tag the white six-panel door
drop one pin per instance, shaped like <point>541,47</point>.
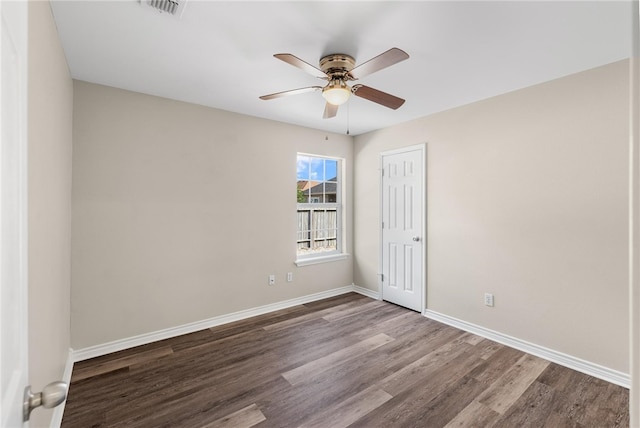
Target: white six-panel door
<point>403,240</point>
<point>13,212</point>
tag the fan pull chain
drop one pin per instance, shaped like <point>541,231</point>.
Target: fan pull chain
<point>348,110</point>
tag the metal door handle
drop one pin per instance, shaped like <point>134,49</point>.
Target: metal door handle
<point>416,238</point>
<point>51,395</point>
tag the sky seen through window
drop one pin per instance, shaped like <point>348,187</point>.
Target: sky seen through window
<point>316,169</point>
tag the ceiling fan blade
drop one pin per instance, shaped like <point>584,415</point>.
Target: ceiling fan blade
<point>384,60</point>
<point>291,92</point>
<point>377,96</point>
<point>330,110</point>
<point>304,66</point>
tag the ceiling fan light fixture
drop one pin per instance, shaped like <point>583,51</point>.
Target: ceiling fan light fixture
<point>337,92</point>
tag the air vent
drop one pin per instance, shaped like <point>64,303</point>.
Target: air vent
<point>170,7</point>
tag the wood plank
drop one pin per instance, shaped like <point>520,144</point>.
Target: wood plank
<point>345,380</point>
<point>311,316</point>
<point>108,366</point>
<point>193,405</point>
<point>91,398</point>
<point>355,310</point>
<point>310,370</point>
<point>186,341</point>
<point>258,321</point>
<point>450,402</point>
<point>474,415</point>
<point>395,326</point>
<point>556,376</point>
<point>243,418</point>
<point>422,368</point>
<point>350,410</point>
<point>472,339</point>
<point>532,409</point>
<point>578,403</point>
<point>496,364</point>
<point>510,386</point>
<point>336,300</point>
<point>487,348</point>
<point>407,408</point>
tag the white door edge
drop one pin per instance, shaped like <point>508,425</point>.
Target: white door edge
<point>13,212</point>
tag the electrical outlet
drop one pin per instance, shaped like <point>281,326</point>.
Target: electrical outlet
<point>488,299</point>
<point>272,279</point>
<point>289,276</point>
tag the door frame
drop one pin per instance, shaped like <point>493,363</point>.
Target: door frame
<point>422,147</point>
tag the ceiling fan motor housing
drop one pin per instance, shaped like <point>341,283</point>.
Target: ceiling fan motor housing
<point>337,65</point>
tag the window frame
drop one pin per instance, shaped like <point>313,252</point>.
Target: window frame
<point>338,206</point>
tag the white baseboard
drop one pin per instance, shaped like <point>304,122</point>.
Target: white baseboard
<point>58,411</point>
<point>143,339</point>
<point>366,292</point>
<point>565,360</point>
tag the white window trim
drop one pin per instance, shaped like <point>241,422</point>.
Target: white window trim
<point>321,259</point>
<point>339,253</point>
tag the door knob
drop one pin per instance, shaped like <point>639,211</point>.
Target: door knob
<point>51,395</point>
<point>416,238</point>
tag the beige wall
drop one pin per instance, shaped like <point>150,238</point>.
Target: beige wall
<point>180,213</point>
<point>527,198</point>
<point>49,134</point>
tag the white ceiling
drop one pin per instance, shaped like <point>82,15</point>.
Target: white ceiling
<point>220,53</point>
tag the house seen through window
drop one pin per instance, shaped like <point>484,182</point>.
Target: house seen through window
<point>319,207</point>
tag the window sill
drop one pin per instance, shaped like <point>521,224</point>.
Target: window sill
<point>321,259</point>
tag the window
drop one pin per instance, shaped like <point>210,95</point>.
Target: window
<point>319,207</point>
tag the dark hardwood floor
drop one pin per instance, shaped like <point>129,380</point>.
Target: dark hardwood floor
<point>344,361</point>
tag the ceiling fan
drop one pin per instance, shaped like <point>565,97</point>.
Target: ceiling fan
<point>338,69</point>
